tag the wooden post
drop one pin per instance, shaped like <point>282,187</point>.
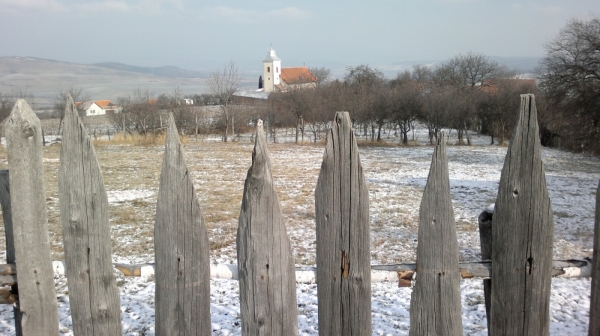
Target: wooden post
<point>93,292</point>
<point>594,329</point>
<point>10,245</point>
<point>343,239</point>
<point>485,239</point>
<point>267,276</point>
<point>523,235</point>
<point>37,297</point>
<point>181,248</point>
<point>435,307</point>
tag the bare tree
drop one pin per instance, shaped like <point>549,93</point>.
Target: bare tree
<point>436,110</point>
<point>570,78</point>
<point>60,102</point>
<point>406,106</point>
<point>498,109</point>
<point>323,75</point>
<point>364,84</point>
<point>466,74</point>
<point>140,114</point>
<point>222,85</point>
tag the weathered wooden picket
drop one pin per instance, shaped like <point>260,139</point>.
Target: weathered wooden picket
<point>93,293</point>
<point>519,242</point>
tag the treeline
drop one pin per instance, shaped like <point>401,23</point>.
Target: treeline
<point>468,92</point>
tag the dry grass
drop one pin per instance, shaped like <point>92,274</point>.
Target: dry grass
<point>131,171</point>
<point>375,143</point>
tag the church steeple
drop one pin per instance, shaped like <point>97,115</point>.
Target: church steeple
<point>271,71</point>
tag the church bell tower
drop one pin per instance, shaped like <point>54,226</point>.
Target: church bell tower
<point>271,71</point>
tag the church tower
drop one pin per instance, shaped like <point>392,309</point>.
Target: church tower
<point>271,71</point>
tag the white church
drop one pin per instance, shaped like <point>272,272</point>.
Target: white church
<point>278,79</point>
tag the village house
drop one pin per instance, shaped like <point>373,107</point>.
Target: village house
<point>98,107</point>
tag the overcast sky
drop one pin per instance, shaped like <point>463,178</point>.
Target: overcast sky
<point>207,34</point>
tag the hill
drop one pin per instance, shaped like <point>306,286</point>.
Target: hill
<point>164,71</point>
<point>45,78</point>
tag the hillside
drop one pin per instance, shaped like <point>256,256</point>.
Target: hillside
<point>45,78</point>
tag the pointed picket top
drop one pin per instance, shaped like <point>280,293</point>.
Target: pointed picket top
<point>435,307</point>
<point>94,296</point>
<point>267,276</point>
<point>37,296</point>
<point>343,237</point>
<point>181,248</point>
<point>523,235</point>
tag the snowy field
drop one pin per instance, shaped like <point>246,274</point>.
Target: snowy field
<point>396,177</point>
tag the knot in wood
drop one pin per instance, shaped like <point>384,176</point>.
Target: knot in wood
<point>28,130</point>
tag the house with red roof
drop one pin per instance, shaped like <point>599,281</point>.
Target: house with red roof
<point>97,107</point>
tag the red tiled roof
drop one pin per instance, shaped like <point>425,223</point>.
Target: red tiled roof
<point>102,103</point>
<point>492,87</point>
<point>297,75</point>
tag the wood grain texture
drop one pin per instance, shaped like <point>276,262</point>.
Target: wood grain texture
<point>343,238</point>
<point>9,238</point>
<point>266,270</point>
<point>594,329</point>
<point>37,297</point>
<point>435,306</point>
<point>93,292</point>
<point>181,249</point>
<point>523,235</point>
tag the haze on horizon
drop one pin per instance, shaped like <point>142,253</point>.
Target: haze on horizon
<point>206,35</point>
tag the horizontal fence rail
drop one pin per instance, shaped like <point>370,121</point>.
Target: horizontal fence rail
<point>403,273</point>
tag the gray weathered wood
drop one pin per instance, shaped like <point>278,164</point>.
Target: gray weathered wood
<point>10,244</point>
<point>8,297</point>
<point>523,235</point>
<point>343,238</point>
<point>266,271</point>
<point>594,329</point>
<point>435,307</point>
<point>93,292</point>
<point>37,297</point>
<point>485,238</point>
<point>181,249</point>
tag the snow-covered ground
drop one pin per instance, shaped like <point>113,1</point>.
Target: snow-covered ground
<point>396,177</point>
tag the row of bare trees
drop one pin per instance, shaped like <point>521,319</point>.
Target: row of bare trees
<point>468,92</point>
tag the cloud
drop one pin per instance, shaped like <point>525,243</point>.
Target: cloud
<point>232,14</point>
<point>549,9</point>
<point>140,6</point>
<point>104,6</point>
<point>51,5</point>
<point>238,15</point>
<point>289,13</point>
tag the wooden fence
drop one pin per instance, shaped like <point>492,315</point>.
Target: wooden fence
<point>519,242</point>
